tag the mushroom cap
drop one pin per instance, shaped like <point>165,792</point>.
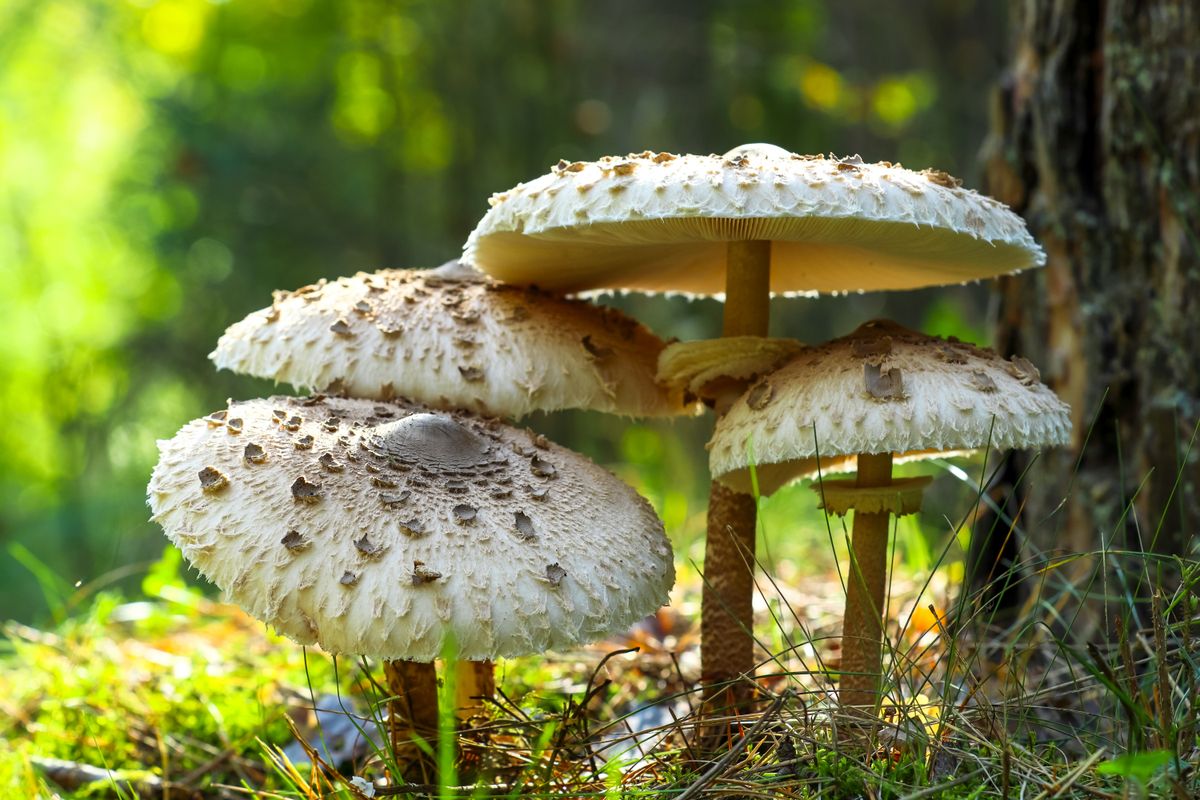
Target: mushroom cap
<point>386,530</point>
<point>452,338</point>
<point>882,389</point>
<point>655,222</point>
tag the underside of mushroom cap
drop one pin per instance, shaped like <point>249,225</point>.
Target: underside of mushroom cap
<point>388,530</point>
<point>453,338</point>
<point>655,222</point>
<point>882,389</point>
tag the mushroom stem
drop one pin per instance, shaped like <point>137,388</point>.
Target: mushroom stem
<point>747,288</point>
<point>726,614</point>
<point>412,712</point>
<point>476,684</point>
<point>866,583</point>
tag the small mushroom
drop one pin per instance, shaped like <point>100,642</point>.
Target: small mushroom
<point>947,408</point>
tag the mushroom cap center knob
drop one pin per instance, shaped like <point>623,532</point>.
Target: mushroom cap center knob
<point>760,149</point>
<point>435,441</point>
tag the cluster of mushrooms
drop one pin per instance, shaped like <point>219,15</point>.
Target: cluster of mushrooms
<point>396,514</point>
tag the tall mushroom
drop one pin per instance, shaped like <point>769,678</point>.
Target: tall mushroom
<point>755,221</point>
<point>388,530</point>
<point>456,339</point>
<point>858,402</point>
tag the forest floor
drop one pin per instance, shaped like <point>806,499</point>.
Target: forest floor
<point>176,696</point>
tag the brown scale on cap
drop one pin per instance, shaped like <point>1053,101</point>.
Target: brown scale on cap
<point>542,468</point>
<point>368,548</point>
<point>982,381</point>
<point>212,480</point>
<point>523,525</point>
<point>422,574</point>
<point>869,347</point>
<point>390,329</point>
<point>1023,370</point>
<point>951,355</point>
<point>942,178</point>
<point>304,491</point>
<point>294,541</point>
<point>254,454</point>
<point>235,425</point>
<point>759,395</point>
<point>594,350</point>
<point>414,529</point>
<point>883,385</point>
<point>395,499</point>
<point>555,574</point>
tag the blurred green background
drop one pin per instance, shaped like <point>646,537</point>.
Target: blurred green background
<point>164,165</point>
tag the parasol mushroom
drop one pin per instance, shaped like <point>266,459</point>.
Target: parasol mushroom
<point>388,530</point>
<point>452,338</point>
<point>755,221</point>
<point>883,392</point>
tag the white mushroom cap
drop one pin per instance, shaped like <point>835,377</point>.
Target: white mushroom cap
<point>882,389</point>
<point>452,338</point>
<point>385,530</point>
<point>654,222</point>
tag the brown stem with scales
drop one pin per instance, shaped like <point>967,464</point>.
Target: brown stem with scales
<point>726,614</point>
<point>866,584</point>
<point>475,685</point>
<point>412,712</point>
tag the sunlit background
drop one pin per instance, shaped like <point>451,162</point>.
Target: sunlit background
<point>165,165</point>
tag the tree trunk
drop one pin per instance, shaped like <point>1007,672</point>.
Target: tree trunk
<point>1096,141</point>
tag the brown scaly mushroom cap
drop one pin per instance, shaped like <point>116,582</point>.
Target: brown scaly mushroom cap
<point>452,338</point>
<point>884,388</point>
<point>384,529</point>
<point>656,222</point>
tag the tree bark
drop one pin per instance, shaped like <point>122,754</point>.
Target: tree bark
<point>1096,141</point>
